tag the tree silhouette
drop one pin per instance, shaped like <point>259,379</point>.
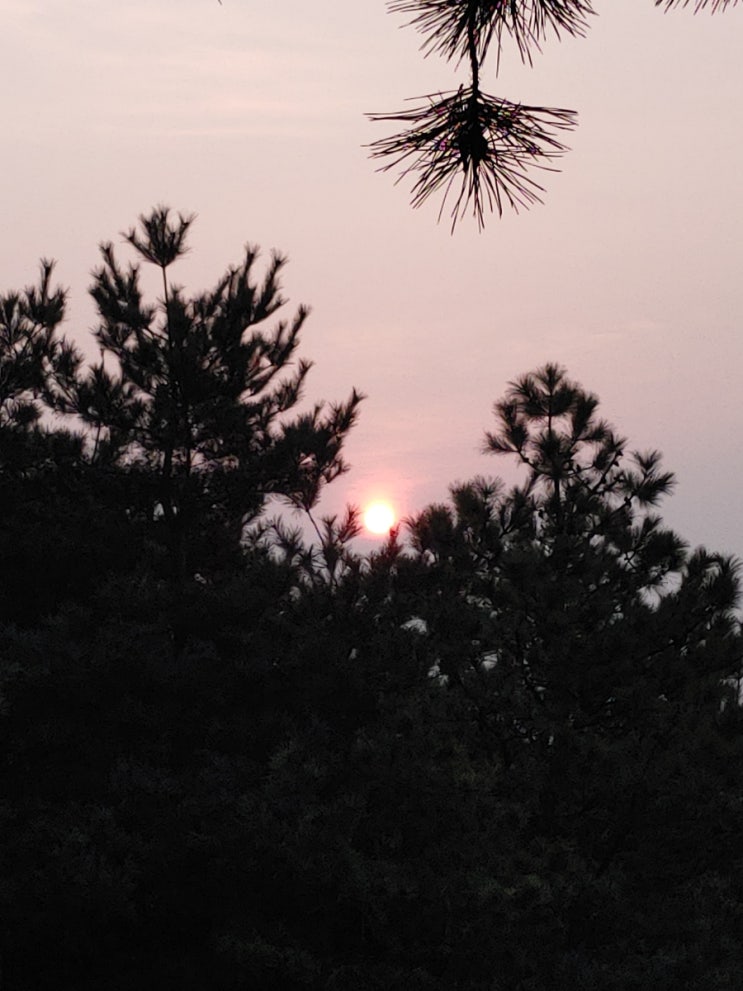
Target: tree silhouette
<point>601,663</point>
<point>187,414</point>
<point>201,391</point>
<point>483,149</point>
<point>506,755</point>
<point>140,639</point>
<point>34,360</point>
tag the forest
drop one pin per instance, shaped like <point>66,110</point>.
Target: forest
<point>502,752</point>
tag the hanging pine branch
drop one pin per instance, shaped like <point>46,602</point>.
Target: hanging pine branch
<point>449,27</point>
<point>480,150</point>
<point>475,145</point>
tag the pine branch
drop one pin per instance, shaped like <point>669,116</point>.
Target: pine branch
<point>491,140</point>
<point>713,6</point>
<point>486,142</point>
<point>447,24</point>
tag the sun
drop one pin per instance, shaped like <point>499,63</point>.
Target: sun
<point>379,517</point>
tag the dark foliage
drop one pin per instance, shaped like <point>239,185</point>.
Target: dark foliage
<point>504,757</point>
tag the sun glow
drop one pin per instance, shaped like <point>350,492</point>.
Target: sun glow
<point>379,517</point>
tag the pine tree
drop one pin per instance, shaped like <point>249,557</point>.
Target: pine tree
<point>504,758</point>
<point>199,394</point>
<point>512,757</point>
<point>602,662</point>
<point>38,460</point>
<point>35,361</point>
<point>143,647</point>
<point>186,417</point>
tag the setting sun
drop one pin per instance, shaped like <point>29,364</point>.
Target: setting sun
<point>379,517</point>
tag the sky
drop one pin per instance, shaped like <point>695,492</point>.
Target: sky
<point>252,115</point>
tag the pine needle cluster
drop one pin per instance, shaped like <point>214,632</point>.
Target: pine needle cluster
<point>479,151</point>
<point>474,145</point>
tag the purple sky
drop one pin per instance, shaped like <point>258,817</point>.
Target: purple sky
<point>252,115</point>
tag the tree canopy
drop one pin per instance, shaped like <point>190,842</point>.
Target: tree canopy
<point>500,753</point>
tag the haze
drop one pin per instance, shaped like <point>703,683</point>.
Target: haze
<point>252,115</point>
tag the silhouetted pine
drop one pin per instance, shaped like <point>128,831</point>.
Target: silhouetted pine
<point>142,648</point>
<point>35,363</point>
<point>482,150</point>
<point>505,757</point>
<point>518,762</point>
<point>53,537</point>
<point>198,394</point>
<point>601,661</point>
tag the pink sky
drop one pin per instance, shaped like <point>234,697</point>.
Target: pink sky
<point>252,115</point>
